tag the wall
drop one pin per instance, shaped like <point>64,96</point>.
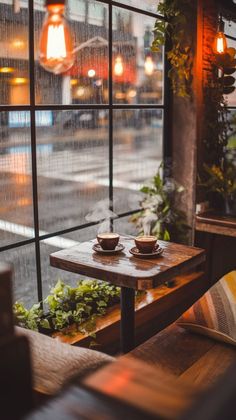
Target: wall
<point>188,114</point>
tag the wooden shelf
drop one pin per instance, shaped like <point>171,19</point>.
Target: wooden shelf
<point>155,309</point>
<point>212,222</point>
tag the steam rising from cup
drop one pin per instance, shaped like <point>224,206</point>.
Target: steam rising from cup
<point>101,212</point>
<point>147,222</point>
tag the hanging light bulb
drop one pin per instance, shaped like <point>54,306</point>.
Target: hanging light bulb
<point>56,46</point>
<point>220,43</point>
<point>148,65</point>
<point>118,67</point>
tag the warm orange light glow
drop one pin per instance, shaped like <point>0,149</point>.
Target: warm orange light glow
<point>220,43</point>
<point>80,92</point>
<point>74,82</point>
<point>6,69</point>
<point>118,67</point>
<point>19,81</point>
<point>18,43</point>
<point>131,93</point>
<point>149,66</point>
<point>56,46</point>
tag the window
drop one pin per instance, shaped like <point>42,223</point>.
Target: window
<point>230,31</point>
<point>70,141</point>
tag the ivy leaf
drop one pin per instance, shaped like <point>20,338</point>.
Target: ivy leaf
<point>166,235</point>
<point>45,324</point>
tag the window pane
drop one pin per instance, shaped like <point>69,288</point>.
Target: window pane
<point>231,99</point>
<point>137,72</point>
<point>96,13</point>
<point>24,277</point>
<point>148,5</point>
<point>50,274</point>
<point>77,10</point>
<point>232,135</point>
<point>230,28</point>
<point>72,156</point>
<point>14,77</point>
<point>137,154</point>
<point>123,226</point>
<point>86,82</point>
<point>16,214</point>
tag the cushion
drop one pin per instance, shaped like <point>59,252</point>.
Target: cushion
<point>55,364</point>
<point>214,314</point>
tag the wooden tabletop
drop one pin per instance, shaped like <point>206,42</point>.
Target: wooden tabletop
<point>213,222</point>
<point>125,389</point>
<point>125,270</point>
<point>148,388</point>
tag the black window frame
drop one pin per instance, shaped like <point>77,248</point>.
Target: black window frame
<point>111,106</point>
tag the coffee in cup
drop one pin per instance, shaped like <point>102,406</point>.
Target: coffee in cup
<point>108,241</point>
<point>146,243</point>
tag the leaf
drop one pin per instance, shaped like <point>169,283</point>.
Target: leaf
<point>145,190</point>
<point>45,324</point>
<point>102,303</point>
<point>231,51</point>
<point>229,70</point>
<point>227,80</point>
<point>166,236</point>
<point>228,89</point>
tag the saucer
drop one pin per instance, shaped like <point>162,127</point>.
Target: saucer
<point>156,253</point>
<point>118,248</point>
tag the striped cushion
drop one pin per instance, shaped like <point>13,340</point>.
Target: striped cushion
<point>215,313</point>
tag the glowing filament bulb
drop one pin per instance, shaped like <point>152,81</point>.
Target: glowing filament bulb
<point>220,44</point>
<point>56,47</point>
<point>118,67</point>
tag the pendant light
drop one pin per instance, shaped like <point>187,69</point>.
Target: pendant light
<point>220,43</point>
<point>56,52</point>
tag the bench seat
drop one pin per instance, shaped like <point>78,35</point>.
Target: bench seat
<point>54,364</point>
<point>198,359</point>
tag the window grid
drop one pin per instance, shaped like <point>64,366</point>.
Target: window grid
<point>32,107</point>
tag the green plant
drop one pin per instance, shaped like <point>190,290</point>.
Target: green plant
<point>159,215</point>
<point>217,125</point>
<point>217,128</point>
<point>67,305</point>
<point>226,63</point>
<point>31,319</point>
<point>221,180</point>
<point>179,53</point>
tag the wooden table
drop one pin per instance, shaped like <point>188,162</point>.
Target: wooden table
<point>125,389</point>
<point>128,272</point>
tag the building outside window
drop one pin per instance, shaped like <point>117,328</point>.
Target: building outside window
<point>70,141</point>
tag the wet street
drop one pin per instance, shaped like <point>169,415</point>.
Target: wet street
<point>73,175</point>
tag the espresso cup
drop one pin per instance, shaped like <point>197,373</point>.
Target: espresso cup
<point>108,241</point>
<point>146,244</point>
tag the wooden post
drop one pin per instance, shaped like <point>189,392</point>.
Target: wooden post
<point>15,371</point>
<point>6,316</point>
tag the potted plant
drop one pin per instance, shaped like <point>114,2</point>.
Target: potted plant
<point>159,214</point>
<point>221,182</point>
<point>66,305</point>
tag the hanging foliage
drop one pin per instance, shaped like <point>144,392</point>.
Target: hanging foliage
<point>172,34</point>
<point>219,169</point>
<point>217,124</point>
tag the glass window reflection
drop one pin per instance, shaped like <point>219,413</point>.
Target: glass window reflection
<point>137,71</point>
